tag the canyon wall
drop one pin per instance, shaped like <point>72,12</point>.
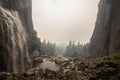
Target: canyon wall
<point>106,36</point>
<point>18,39</point>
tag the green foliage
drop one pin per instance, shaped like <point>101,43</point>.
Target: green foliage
<point>79,50</point>
<point>30,78</point>
<point>48,48</point>
<point>115,58</point>
<point>41,79</point>
<point>112,58</point>
<point>12,78</point>
<point>20,78</point>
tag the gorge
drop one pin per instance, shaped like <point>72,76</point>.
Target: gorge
<point>19,42</point>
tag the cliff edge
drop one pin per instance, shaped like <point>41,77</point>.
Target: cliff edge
<point>106,36</point>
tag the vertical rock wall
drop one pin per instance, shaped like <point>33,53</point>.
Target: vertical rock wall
<point>106,36</point>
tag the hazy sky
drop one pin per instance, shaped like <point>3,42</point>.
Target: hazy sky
<point>62,20</point>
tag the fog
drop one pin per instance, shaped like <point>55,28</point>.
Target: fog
<point>62,20</point>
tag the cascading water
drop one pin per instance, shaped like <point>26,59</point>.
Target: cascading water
<point>13,38</point>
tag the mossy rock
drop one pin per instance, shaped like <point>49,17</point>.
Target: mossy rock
<point>18,78</point>
<point>114,58</point>
<point>12,78</point>
<point>29,78</point>
<point>41,79</point>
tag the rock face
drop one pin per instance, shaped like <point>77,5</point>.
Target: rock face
<point>17,35</point>
<point>106,35</point>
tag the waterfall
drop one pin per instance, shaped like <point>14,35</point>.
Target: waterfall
<point>13,38</point>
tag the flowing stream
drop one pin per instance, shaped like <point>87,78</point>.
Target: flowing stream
<point>13,37</point>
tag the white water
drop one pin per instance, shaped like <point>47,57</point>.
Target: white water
<point>15,34</point>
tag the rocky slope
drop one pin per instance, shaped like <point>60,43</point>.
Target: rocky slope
<point>106,35</point>
<point>107,68</point>
<point>18,38</point>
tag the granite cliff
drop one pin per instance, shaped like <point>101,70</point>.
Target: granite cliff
<point>18,39</point>
<point>106,36</point>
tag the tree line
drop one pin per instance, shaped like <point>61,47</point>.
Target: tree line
<point>76,50</point>
<point>48,48</point>
<point>71,50</point>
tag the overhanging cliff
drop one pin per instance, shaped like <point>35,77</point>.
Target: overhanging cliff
<point>106,36</point>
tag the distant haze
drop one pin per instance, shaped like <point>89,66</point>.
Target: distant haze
<point>62,20</point>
